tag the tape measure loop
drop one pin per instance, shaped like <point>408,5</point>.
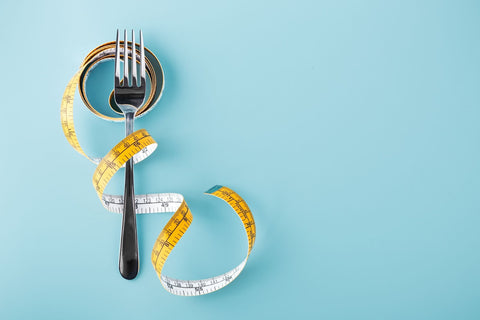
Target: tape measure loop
<point>105,52</point>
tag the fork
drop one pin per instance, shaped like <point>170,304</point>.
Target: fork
<point>129,98</point>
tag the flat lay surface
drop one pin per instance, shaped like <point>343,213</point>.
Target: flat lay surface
<point>350,128</point>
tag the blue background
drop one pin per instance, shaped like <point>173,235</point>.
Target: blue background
<point>350,128</point>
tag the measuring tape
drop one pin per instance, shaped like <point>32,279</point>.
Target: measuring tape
<point>138,146</point>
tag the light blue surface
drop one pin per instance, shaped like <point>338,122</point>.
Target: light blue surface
<point>351,128</point>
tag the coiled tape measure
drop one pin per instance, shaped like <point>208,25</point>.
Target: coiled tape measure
<point>139,145</point>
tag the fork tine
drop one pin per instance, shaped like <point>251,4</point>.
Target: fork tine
<point>134,61</point>
<point>117,61</point>
<point>142,60</point>
<point>125,60</point>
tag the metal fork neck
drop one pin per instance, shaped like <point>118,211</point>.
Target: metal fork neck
<point>129,122</point>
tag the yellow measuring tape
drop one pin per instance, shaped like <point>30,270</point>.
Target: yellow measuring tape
<point>138,146</point>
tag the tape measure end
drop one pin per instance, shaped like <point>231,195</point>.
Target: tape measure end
<point>213,189</point>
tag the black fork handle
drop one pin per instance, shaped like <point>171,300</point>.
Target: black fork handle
<point>128,264</point>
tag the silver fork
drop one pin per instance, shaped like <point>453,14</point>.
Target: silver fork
<point>129,98</point>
